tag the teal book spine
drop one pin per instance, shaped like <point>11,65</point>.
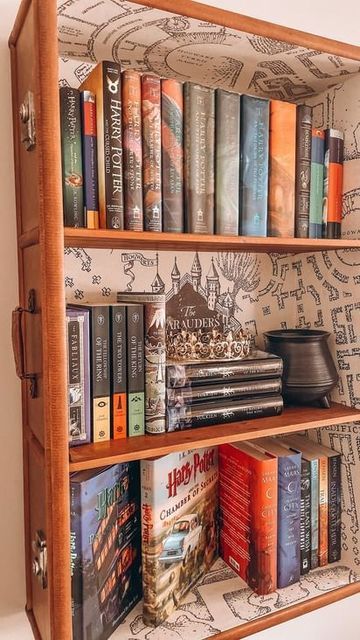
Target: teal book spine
<point>317,182</point>
<point>135,369</point>
<point>254,166</point>
<point>227,162</point>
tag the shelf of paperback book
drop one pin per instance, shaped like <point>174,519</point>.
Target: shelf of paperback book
<point>112,239</point>
<point>292,419</point>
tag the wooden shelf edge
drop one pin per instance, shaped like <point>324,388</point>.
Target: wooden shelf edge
<point>294,611</point>
<point>112,239</point>
<point>293,419</point>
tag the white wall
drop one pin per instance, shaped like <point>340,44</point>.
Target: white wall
<point>323,17</point>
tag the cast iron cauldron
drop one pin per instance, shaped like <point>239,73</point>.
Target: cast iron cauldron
<point>309,370</point>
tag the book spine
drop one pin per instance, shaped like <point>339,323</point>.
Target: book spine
<point>323,511</point>
<point>264,525</point>
<point>317,183</point>
<point>314,514</point>
<point>233,390</point>
<point>305,517</point>
<point>147,541</point>
<point>199,158</point>
<point>334,508</point>
<point>100,372</point>
<point>71,154</point>
<point>151,137</point>
<point>78,378</point>
<point>227,150</point>
<point>254,165</point>
<point>205,414</point>
<point>172,141</point>
<point>333,183</point>
<point>112,211</point>
<point>135,369</point>
<point>118,372</point>
<point>155,357</point>
<point>182,375</point>
<point>289,498</point>
<point>303,170</point>
<point>76,568</point>
<point>90,167</point>
<point>132,138</point>
<point>282,155</point>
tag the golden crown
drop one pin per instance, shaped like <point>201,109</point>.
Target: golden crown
<point>209,345</point>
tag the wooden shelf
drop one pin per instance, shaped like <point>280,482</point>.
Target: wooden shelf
<point>112,239</point>
<point>292,419</point>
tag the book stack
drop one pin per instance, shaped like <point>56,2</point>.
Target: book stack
<point>215,392</point>
<point>280,509</point>
<point>144,153</point>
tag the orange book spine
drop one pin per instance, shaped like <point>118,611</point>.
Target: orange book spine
<point>282,157</point>
<point>323,511</point>
<point>333,183</point>
<point>119,416</point>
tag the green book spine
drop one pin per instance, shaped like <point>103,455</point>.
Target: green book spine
<point>135,368</point>
<point>71,154</point>
<point>317,183</point>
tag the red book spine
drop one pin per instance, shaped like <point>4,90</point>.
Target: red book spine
<point>151,136</point>
<point>132,151</point>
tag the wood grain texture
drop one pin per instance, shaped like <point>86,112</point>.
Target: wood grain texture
<point>112,239</point>
<point>292,419</point>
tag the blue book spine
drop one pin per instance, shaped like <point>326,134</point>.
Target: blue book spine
<point>314,514</point>
<point>289,498</point>
<point>254,166</point>
<point>317,183</point>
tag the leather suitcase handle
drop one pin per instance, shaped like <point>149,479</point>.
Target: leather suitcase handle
<point>18,343</point>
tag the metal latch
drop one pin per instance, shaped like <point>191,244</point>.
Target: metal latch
<point>39,563</point>
<point>27,117</point>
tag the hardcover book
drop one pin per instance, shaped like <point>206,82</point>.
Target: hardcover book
<point>105,548</point>
<point>118,372</point>
<point>151,136</point>
<point>90,167</point>
<point>333,183</point>
<point>317,183</point>
<point>206,413</point>
<point>105,82</point>
<point>71,156</point>
<point>155,356</point>
<point>172,140</point>
<point>132,133</point>
<point>282,155</point>
<point>303,170</point>
<point>199,158</point>
<point>135,369</point>
<point>78,378</point>
<point>289,497</point>
<point>221,391</point>
<point>259,364</point>
<point>254,165</point>
<point>227,151</point>
<point>248,514</point>
<point>179,508</point>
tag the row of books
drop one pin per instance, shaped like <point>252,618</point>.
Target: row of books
<point>144,153</point>
<point>279,517</point>
<point>280,508</point>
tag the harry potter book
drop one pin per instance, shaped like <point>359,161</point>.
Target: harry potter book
<point>282,153</point>
<point>227,152</point>
<point>248,481</point>
<point>151,136</point>
<point>132,135</point>
<point>118,372</point>
<point>105,82</point>
<point>317,183</point>
<point>155,356</point>
<point>254,165</point>
<point>135,369</point>
<point>222,391</point>
<point>105,548</point>
<point>71,156</point>
<point>333,183</point>
<point>199,158</point>
<point>179,509</point>
<point>78,378</point>
<point>90,160</point>
<point>303,170</point>
<point>172,141</point>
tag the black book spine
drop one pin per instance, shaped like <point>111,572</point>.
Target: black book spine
<point>135,369</point>
<point>334,551</point>
<point>303,170</point>
<point>71,154</point>
<point>76,570</point>
<point>183,375</point>
<point>305,517</point>
<point>209,413</point>
<point>231,391</point>
<point>114,195</point>
<point>100,372</point>
<point>118,372</point>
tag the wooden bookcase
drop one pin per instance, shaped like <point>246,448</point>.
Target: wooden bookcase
<point>42,33</point>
